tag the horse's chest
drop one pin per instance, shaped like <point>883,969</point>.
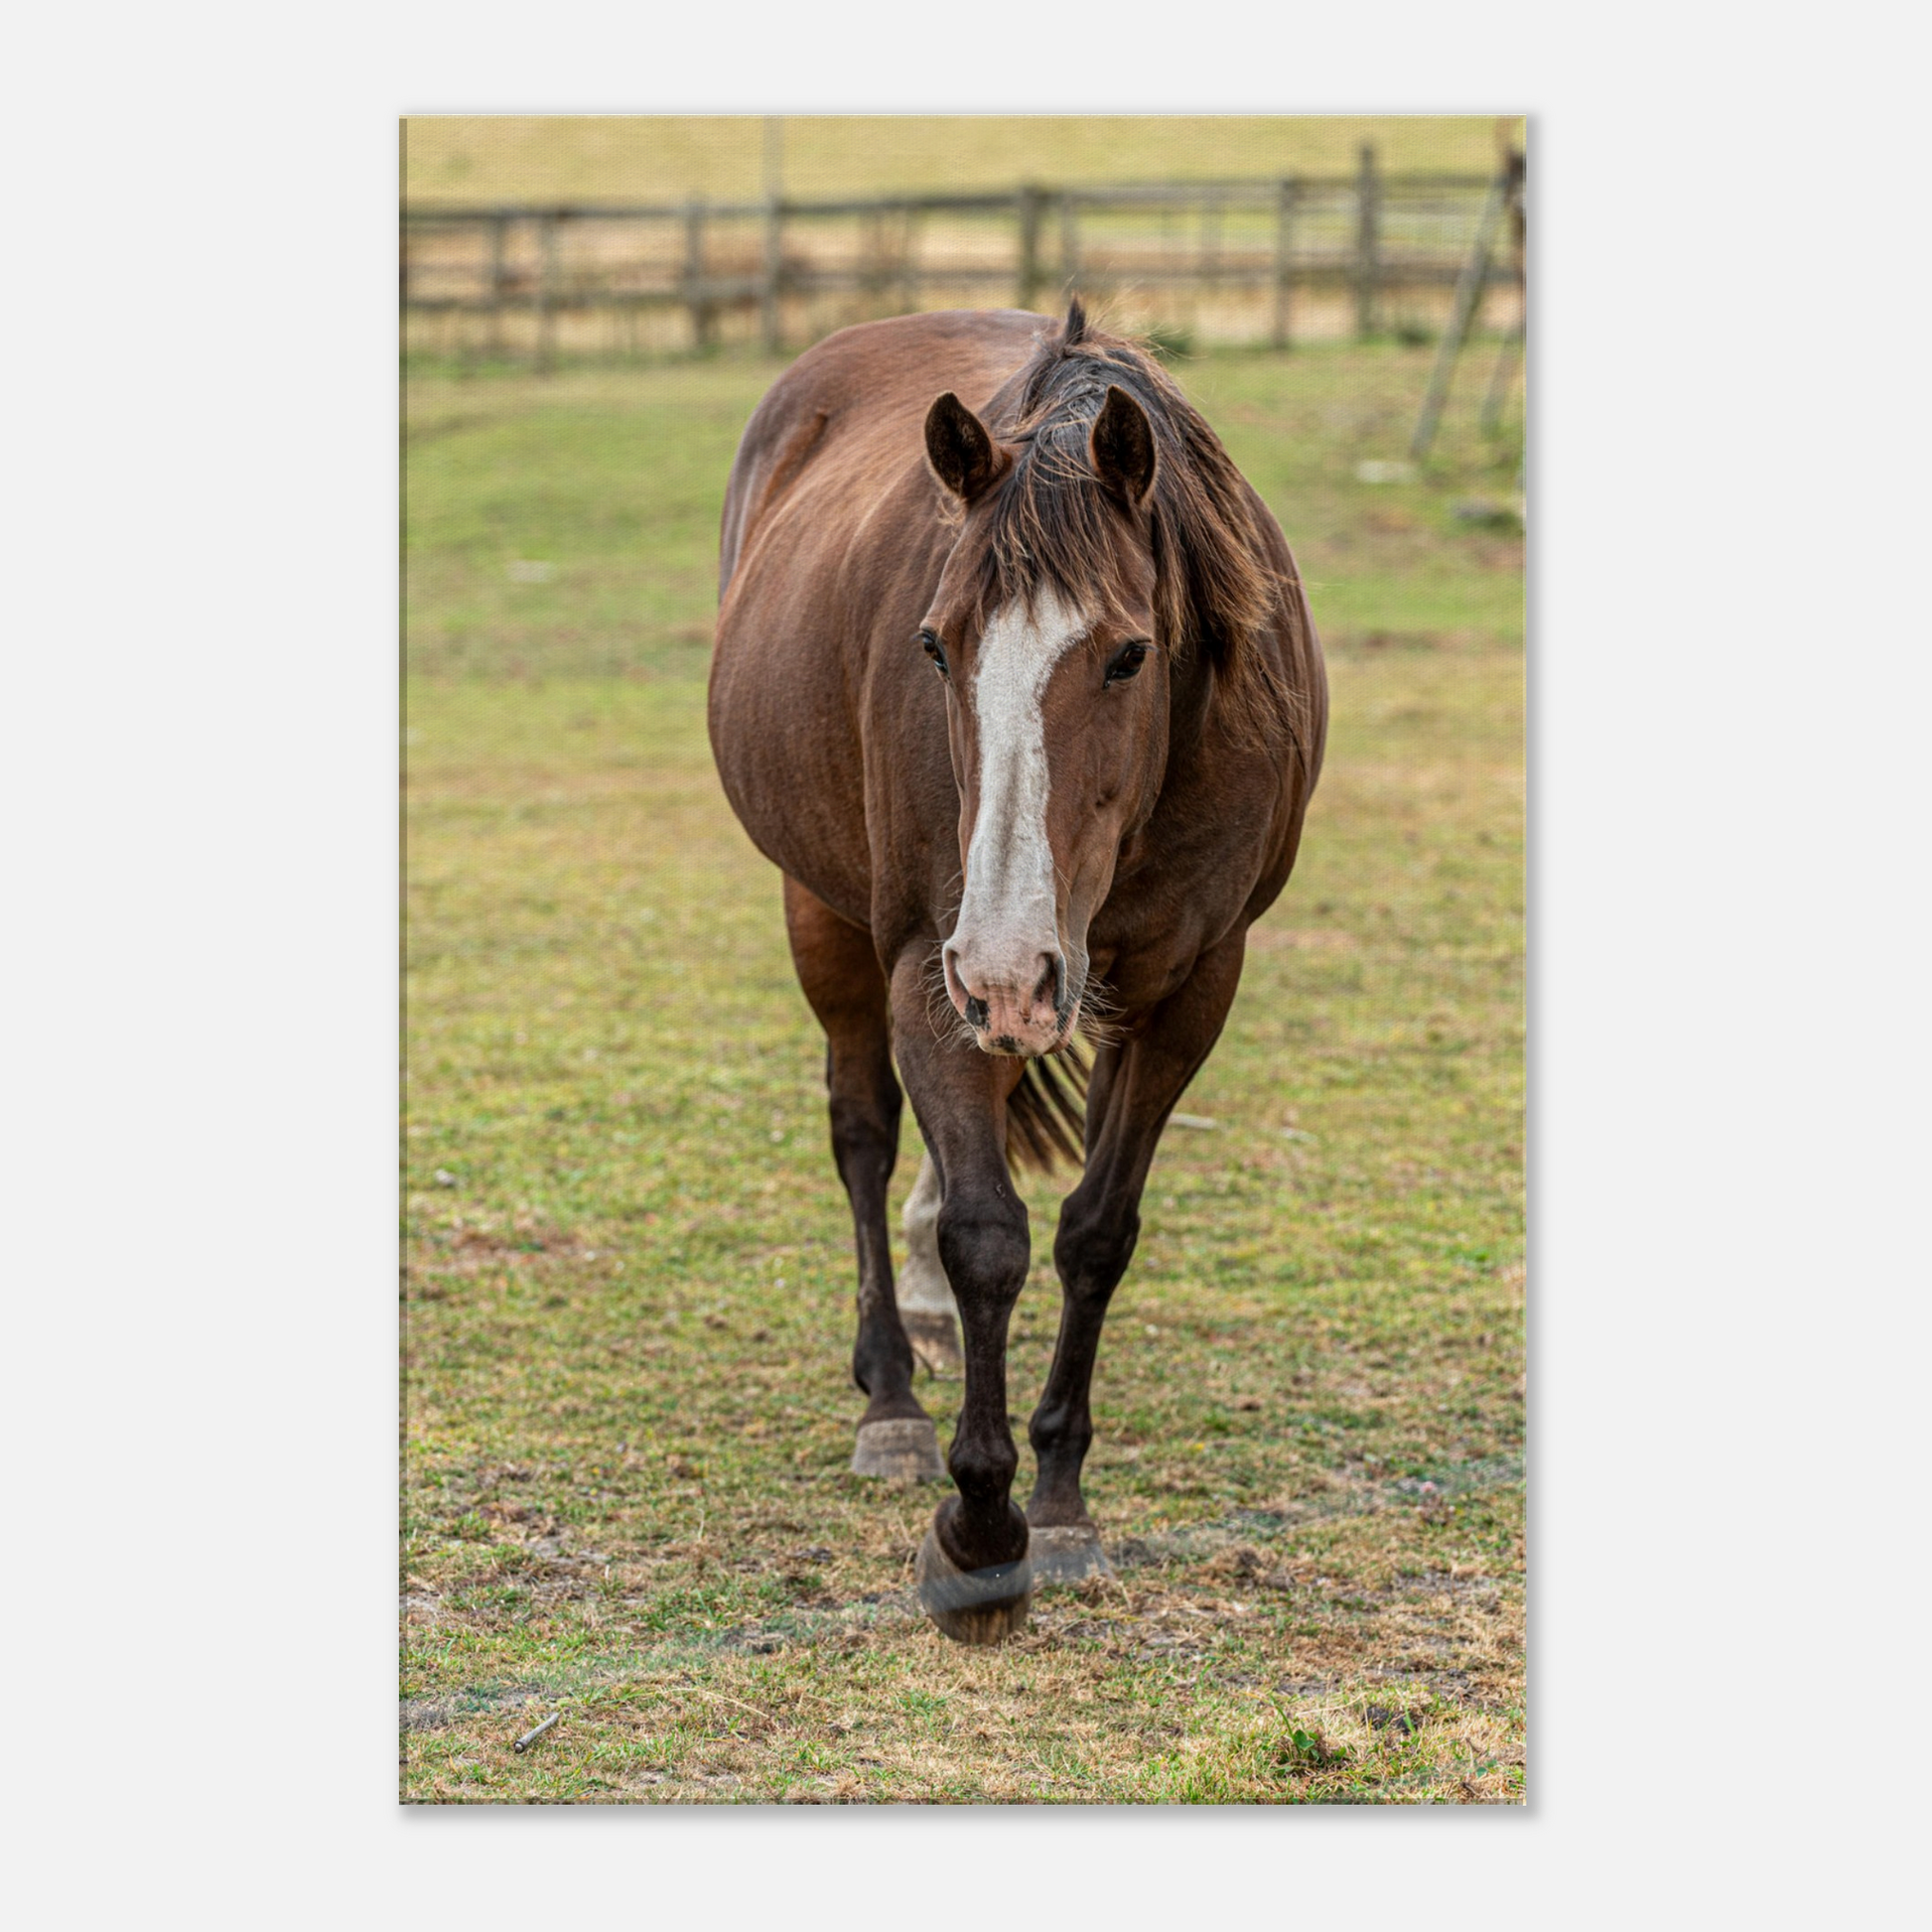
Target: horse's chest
<point>1186,886</point>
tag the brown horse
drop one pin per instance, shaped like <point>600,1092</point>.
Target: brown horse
<point>1019,689</point>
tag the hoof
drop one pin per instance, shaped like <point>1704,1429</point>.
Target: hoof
<point>908,1447</point>
<point>973,1605</point>
<point>935,1341</point>
<point>1068,1553</point>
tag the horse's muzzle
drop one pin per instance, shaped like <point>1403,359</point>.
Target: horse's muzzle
<point>1012,1006</point>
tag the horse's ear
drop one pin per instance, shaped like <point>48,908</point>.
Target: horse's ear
<point>958,448</point>
<point>1122,448</point>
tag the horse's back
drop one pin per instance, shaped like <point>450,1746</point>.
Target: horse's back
<point>850,409</point>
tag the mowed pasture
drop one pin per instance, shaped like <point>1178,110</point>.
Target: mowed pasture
<point>628,1292</point>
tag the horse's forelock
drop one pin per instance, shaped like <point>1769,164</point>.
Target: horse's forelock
<point>1051,524</point>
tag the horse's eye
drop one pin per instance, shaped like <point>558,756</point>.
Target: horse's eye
<point>1127,660</point>
<point>935,649</point>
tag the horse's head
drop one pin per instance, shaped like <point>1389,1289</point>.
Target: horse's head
<point>1056,697</point>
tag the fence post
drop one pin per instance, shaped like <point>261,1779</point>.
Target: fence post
<point>1511,347</point>
<point>694,288</point>
<point>1030,201</point>
<point>1069,244</point>
<point>770,315</point>
<point>909,263</point>
<point>1368,226</point>
<point>872,251</point>
<point>546,289</point>
<point>1469,286</point>
<point>1284,259</point>
<point>1512,344</point>
<point>402,282</point>
<point>498,238</point>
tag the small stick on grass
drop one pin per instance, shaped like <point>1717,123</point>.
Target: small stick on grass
<point>719,1696</point>
<point>531,1736</point>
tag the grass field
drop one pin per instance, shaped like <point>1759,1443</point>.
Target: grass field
<point>629,1284</point>
<point>474,159</point>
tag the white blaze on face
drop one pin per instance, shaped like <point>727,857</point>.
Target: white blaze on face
<point>1008,916</point>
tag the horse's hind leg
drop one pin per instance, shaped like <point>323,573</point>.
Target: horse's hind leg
<point>1132,1091</point>
<point>842,980</point>
<point>926,1296</point>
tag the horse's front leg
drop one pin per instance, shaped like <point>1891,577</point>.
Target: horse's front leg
<point>841,976</point>
<point>1134,1089</point>
<point>974,1577</point>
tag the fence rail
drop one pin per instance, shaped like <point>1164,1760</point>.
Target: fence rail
<point>1275,259</point>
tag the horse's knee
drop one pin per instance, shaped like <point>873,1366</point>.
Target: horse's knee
<point>985,1247</point>
<point>1061,1427</point>
<point>1092,1249</point>
<point>864,1136</point>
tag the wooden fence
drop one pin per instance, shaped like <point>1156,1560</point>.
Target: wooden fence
<point>1233,260</point>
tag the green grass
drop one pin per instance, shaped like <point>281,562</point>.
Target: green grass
<point>478,159</point>
<point>608,482</point>
<point>629,1275</point>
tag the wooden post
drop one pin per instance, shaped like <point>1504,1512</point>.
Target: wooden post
<point>1512,342</point>
<point>546,289</point>
<point>909,263</point>
<point>1491,419</point>
<point>1368,243</point>
<point>774,157</point>
<point>1283,260</point>
<point>872,253</point>
<point>771,314</point>
<point>498,241</point>
<point>694,288</point>
<point>1069,244</point>
<point>1031,199</point>
<point>1469,295</point>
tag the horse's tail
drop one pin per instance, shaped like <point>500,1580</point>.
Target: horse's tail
<point>1046,1115</point>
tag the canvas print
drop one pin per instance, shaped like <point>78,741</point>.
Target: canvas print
<point>963,1133</point>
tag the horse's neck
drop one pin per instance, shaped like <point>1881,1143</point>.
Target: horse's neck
<point>1190,704</point>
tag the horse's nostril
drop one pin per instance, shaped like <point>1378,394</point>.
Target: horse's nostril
<point>975,1013</point>
<point>1052,982</point>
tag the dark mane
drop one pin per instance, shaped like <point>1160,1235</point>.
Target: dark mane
<point>1216,586</point>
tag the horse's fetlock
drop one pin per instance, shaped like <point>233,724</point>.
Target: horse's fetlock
<point>982,1471</point>
<point>880,1360</point>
